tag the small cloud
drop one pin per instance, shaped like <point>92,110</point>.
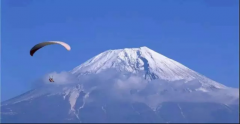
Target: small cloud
<point>133,82</point>
<point>62,78</point>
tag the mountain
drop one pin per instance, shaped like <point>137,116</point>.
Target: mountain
<point>135,60</point>
<point>133,85</point>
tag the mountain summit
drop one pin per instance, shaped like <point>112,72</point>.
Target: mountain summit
<point>135,60</point>
<point>145,61</point>
<point>142,86</point>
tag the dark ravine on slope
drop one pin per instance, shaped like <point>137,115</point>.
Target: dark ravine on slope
<point>96,105</point>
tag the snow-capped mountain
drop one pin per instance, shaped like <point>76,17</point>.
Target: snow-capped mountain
<point>143,59</point>
<point>126,85</point>
<point>134,60</point>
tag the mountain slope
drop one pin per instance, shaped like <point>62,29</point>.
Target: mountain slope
<point>126,85</point>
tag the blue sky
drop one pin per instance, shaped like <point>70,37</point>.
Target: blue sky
<point>201,34</point>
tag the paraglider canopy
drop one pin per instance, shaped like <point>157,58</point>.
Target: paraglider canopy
<point>43,44</point>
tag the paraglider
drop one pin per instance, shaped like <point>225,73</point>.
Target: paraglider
<point>43,44</point>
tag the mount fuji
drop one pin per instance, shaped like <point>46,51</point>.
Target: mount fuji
<point>131,85</point>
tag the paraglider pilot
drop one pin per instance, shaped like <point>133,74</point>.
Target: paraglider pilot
<point>51,79</point>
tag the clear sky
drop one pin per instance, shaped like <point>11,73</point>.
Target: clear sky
<point>201,34</point>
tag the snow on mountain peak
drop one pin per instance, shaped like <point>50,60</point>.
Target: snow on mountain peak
<point>138,60</point>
